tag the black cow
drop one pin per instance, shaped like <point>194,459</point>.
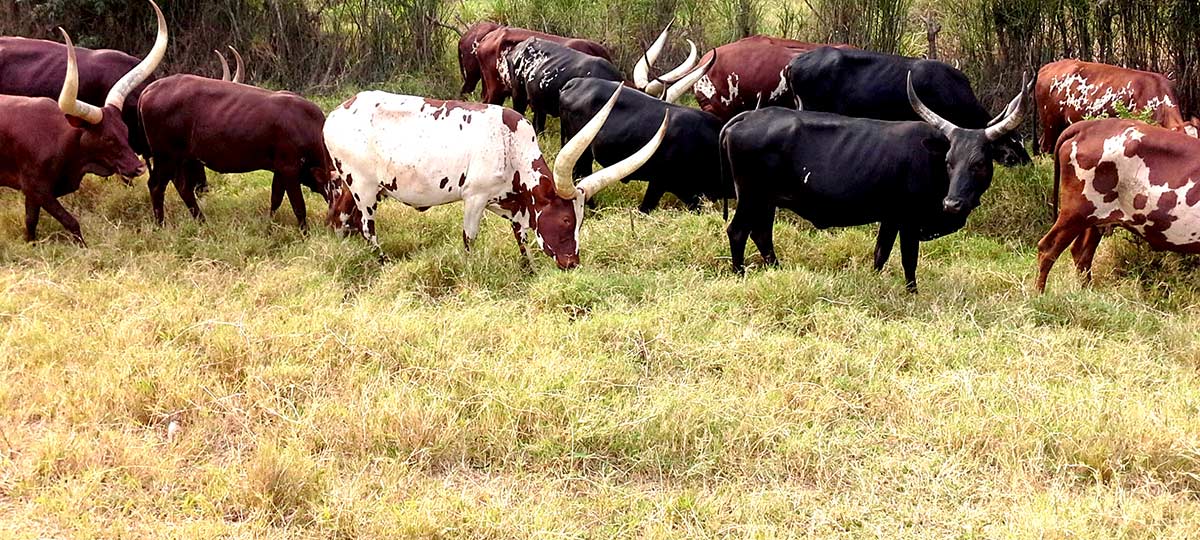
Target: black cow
<point>868,84</point>
<point>686,164</point>
<point>917,179</point>
<point>539,69</point>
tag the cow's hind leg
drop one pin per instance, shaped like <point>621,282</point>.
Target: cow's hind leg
<point>1064,231</point>
<point>763,234</point>
<point>1084,252</point>
<point>33,210</point>
<point>653,196</point>
<point>187,183</point>
<point>910,251</point>
<point>296,199</point>
<point>739,231</point>
<point>884,243</point>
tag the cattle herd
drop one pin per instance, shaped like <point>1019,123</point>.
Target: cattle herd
<point>838,135</point>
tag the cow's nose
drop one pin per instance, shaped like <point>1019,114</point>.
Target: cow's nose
<point>567,263</point>
<point>952,206</point>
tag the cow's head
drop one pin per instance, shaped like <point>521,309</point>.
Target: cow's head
<point>970,151</point>
<point>104,142</point>
<point>670,85</point>
<point>559,216</point>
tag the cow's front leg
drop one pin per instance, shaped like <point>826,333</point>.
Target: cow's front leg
<point>884,243</point>
<point>473,208</point>
<point>910,248</point>
<point>652,198</point>
<point>33,210</point>
<point>522,240</point>
<point>68,221</point>
<point>366,199</point>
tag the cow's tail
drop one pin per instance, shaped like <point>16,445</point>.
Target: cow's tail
<point>1057,174</point>
<point>1037,120</point>
<point>727,163</point>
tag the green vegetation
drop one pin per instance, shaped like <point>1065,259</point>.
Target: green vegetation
<point>317,392</point>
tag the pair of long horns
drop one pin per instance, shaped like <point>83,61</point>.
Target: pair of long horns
<point>69,101</point>
<point>597,181</point>
<point>237,58</point>
<point>1000,126</point>
<point>672,84</point>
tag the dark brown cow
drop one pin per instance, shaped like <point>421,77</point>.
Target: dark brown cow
<point>193,122</point>
<point>749,73</point>
<point>46,154</point>
<point>468,63</point>
<point>1069,91</point>
<point>496,44</point>
<point>1122,172</point>
<point>34,68</point>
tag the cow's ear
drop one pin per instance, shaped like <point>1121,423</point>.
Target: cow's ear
<point>937,145</point>
<point>75,121</point>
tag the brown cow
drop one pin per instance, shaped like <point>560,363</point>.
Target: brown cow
<point>748,73</point>
<point>34,68</point>
<point>1070,91</point>
<point>468,63</point>
<point>46,154</point>
<point>193,122</point>
<point>1141,177</point>
<point>494,47</point>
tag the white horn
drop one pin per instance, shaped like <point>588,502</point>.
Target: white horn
<point>564,164</point>
<point>641,72</point>
<point>925,113</point>
<point>68,99</point>
<point>1013,120</point>
<point>224,65</point>
<point>142,71</point>
<point>656,86</point>
<point>685,84</point>
<point>237,57</point>
<point>607,176</point>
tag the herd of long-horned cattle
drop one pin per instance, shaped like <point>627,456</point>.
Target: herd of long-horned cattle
<point>838,135</point>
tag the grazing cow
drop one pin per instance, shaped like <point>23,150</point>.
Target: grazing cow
<point>539,69</point>
<point>917,179</point>
<point>468,63</point>
<point>34,67</point>
<point>193,122</point>
<point>494,67</point>
<point>867,84</point>
<point>1070,91</point>
<point>426,152</point>
<point>749,75</point>
<point>237,75</point>
<point>686,165</point>
<point>46,154</point>
<point>1141,177</point>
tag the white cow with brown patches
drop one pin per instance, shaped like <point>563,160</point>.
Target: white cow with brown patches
<point>1122,172</point>
<point>426,152</point>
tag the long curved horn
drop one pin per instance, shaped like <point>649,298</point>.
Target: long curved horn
<point>564,164</point>
<point>656,86</point>
<point>1013,121</point>
<point>925,113</point>
<point>142,71</point>
<point>641,72</point>
<point>224,65</point>
<point>68,99</point>
<point>685,84</point>
<point>605,177</point>
<point>237,57</point>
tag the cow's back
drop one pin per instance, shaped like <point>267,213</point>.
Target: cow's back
<point>1075,90</point>
<point>744,71</point>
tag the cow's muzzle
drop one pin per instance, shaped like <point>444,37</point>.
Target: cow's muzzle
<point>567,263</point>
<point>954,206</point>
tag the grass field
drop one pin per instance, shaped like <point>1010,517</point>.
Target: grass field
<point>317,392</point>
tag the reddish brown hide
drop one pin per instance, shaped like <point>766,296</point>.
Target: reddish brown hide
<point>1122,172</point>
<point>34,68</point>
<point>754,65</point>
<point>497,43</point>
<point>196,122</point>
<point>468,63</point>
<point>1069,91</point>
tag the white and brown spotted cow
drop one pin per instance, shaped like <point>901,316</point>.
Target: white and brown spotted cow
<point>1070,91</point>
<point>1122,172</point>
<point>426,152</point>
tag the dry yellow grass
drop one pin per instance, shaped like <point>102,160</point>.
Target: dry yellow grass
<point>650,394</point>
